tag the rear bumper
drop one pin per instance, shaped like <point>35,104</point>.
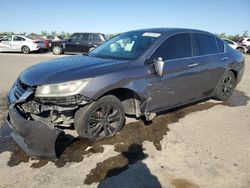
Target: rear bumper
<point>36,138</point>
<point>240,74</point>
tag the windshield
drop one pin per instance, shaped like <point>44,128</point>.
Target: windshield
<point>126,46</point>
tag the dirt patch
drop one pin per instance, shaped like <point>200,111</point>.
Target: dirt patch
<point>183,183</point>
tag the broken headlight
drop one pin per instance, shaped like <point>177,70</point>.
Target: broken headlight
<point>61,89</point>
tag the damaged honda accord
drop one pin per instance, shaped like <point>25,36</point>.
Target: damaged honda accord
<point>137,73</point>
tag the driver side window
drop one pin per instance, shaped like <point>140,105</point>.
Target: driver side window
<point>6,38</point>
<point>175,47</point>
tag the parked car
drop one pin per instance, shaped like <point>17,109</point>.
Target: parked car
<point>138,73</point>
<point>40,38</point>
<point>78,43</point>
<point>237,46</point>
<point>54,38</point>
<point>245,41</point>
<point>19,43</point>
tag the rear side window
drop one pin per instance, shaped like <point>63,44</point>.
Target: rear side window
<point>86,37</point>
<point>220,45</point>
<point>17,38</point>
<point>175,47</point>
<point>206,44</point>
<point>98,38</point>
<point>228,41</point>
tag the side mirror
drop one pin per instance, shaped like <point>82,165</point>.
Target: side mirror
<point>159,66</point>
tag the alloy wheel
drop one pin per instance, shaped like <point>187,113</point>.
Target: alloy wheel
<point>227,86</point>
<point>104,121</point>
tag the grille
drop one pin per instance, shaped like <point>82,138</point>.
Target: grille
<point>20,89</point>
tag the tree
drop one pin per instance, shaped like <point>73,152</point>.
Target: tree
<point>44,33</point>
<point>54,33</point>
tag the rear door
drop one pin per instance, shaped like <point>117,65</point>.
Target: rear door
<point>17,43</point>
<point>209,52</point>
<point>85,43</point>
<point>178,84</point>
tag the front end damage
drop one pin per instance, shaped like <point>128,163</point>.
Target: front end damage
<point>37,123</point>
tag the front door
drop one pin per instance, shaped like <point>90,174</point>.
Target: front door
<point>73,43</point>
<point>178,83</point>
<point>5,44</point>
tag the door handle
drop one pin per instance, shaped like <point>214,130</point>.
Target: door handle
<point>224,59</point>
<point>193,65</point>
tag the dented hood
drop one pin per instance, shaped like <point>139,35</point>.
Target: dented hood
<point>69,68</point>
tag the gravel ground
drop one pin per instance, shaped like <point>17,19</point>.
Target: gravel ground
<point>203,145</point>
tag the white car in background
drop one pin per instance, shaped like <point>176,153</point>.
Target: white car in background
<point>19,43</point>
<point>235,45</point>
<point>245,41</point>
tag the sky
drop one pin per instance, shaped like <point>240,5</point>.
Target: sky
<point>115,16</point>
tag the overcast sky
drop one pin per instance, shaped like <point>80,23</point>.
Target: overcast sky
<point>113,16</point>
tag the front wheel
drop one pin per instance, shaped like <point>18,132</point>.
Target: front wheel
<point>226,87</point>
<point>100,119</point>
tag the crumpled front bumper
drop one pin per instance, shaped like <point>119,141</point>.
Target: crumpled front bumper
<point>36,138</point>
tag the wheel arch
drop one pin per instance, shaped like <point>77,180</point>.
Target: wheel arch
<point>130,100</point>
<point>235,73</point>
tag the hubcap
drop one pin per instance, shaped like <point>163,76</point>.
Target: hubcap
<point>104,121</point>
<point>227,86</point>
<point>25,50</point>
<point>57,50</point>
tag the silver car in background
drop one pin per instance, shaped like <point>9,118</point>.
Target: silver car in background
<point>19,43</point>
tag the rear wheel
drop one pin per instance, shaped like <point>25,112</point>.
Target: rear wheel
<point>57,50</point>
<point>226,87</point>
<point>100,119</point>
<point>25,49</point>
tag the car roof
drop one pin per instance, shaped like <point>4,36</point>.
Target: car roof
<point>172,30</point>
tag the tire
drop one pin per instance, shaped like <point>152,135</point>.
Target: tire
<point>102,118</point>
<point>25,49</point>
<point>226,87</point>
<point>57,50</point>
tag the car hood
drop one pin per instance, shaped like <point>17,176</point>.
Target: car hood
<point>69,68</point>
